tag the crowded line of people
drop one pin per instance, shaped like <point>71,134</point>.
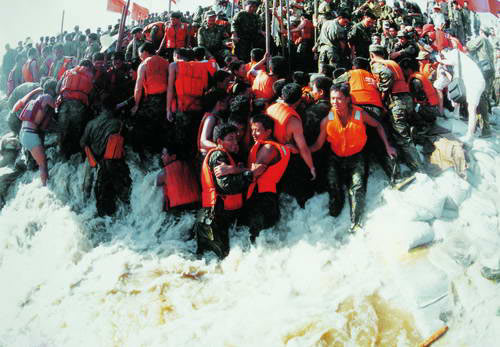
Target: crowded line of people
<point>353,84</point>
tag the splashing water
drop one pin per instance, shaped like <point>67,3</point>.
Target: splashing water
<point>70,278</point>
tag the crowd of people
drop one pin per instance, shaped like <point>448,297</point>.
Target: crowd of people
<point>339,88</point>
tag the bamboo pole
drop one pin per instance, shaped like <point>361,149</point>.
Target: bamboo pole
<point>62,26</point>
<point>122,26</point>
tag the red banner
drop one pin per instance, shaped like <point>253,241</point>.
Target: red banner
<point>139,12</point>
<point>116,5</point>
<point>492,6</point>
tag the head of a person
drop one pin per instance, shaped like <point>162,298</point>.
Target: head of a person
<point>376,51</point>
<point>343,17</point>
<point>376,39</point>
<point>226,136</point>
<point>175,18</point>
<point>146,50</point>
<point>168,155</point>
<point>118,59</point>
<point>369,19</point>
<point>326,70</point>
<point>278,87</point>
<point>291,94</point>
<point>199,53</point>
<point>92,37</point>
<point>59,50</point>
<point>241,88</point>
<point>137,33</point>
<point>7,47</point>
<point>221,79</point>
<point>238,69</point>
<point>240,105</point>
<point>300,77</point>
<point>87,31</point>
<point>87,64</point>
<point>99,61</point>
<point>408,66</point>
<point>261,127</point>
<point>256,54</point>
<point>402,38</point>
<point>241,123</point>
<point>320,86</point>
<point>251,6</point>
<point>278,66</point>
<point>183,54</point>
<point>340,97</point>
<point>215,99</point>
<point>49,86</point>
<point>76,28</point>
<point>361,63</point>
<point>210,18</point>
<point>32,53</point>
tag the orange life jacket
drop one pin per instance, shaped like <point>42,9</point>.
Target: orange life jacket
<point>180,186</point>
<point>27,75</point>
<point>202,124</point>
<point>426,69</point>
<point>308,30</point>
<point>348,140</point>
<point>262,86</point>
<point>209,193</point>
<point>297,37</point>
<point>114,146</point>
<point>281,113</point>
<point>62,69</point>
<point>400,85</point>
<point>77,84</point>
<point>430,92</point>
<point>363,88</point>
<point>190,84</point>
<point>155,78</point>
<point>147,30</point>
<point>176,36</point>
<point>266,183</point>
<point>19,105</point>
<point>248,67</point>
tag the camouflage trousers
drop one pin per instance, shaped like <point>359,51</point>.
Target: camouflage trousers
<point>328,57</point>
<point>403,116</point>
<point>73,116</point>
<point>350,172</point>
<point>113,182</point>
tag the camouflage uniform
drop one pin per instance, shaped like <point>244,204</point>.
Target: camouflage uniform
<point>213,223</point>
<point>93,48</point>
<point>332,43</point>
<point>457,23</point>
<point>401,109</point>
<point>113,175</point>
<point>211,38</point>
<point>480,48</point>
<point>73,116</point>
<point>409,49</point>
<point>247,27</point>
<point>132,52</point>
<point>360,37</point>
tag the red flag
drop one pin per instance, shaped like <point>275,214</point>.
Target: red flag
<point>139,12</point>
<point>116,5</point>
<point>174,1</point>
<point>492,6</point>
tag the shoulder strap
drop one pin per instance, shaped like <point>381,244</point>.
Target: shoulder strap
<point>331,115</point>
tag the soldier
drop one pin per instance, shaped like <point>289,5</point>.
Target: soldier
<point>113,175</point>
<point>395,93</point>
<point>93,46</point>
<point>222,196</point>
<point>211,36</point>
<point>360,36</point>
<point>482,52</point>
<point>246,31</point>
<point>332,43</point>
<point>132,52</point>
<point>176,35</point>
<point>404,48</point>
<point>467,20</point>
<point>456,21</point>
<point>31,71</point>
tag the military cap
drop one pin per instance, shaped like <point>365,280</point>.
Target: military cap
<point>176,14</point>
<point>378,49</point>
<point>136,30</point>
<point>93,36</point>
<point>423,55</point>
<point>210,14</point>
<point>252,2</point>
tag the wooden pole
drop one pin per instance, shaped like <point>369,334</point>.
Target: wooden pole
<point>268,39</point>
<point>289,35</point>
<point>273,28</point>
<point>315,20</point>
<point>122,26</point>
<point>281,35</point>
<point>169,6</point>
<point>62,26</point>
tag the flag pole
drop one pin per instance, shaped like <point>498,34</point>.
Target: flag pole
<point>62,26</point>
<point>268,40</point>
<point>169,6</point>
<point>122,26</point>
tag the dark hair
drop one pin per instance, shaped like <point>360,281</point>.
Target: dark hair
<point>119,55</point>
<point>222,130</point>
<point>323,83</point>
<point>257,54</point>
<point>344,14</point>
<point>361,63</point>
<point>341,87</point>
<point>199,53</point>
<point>327,70</point>
<point>260,105</point>
<point>338,72</point>
<point>148,47</point>
<point>184,53</point>
<point>278,87</point>
<point>86,63</point>
<point>407,63</point>
<point>239,88</point>
<point>213,96</point>
<point>98,56</point>
<point>263,119</point>
<point>220,76</point>
<point>278,66</point>
<point>300,77</point>
<point>32,52</point>
<point>240,104</point>
<point>291,93</point>
<point>369,14</point>
<point>235,66</point>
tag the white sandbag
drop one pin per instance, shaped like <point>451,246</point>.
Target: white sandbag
<point>416,234</point>
<point>454,187</point>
